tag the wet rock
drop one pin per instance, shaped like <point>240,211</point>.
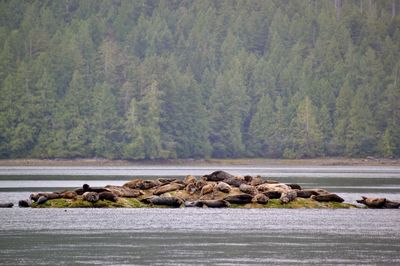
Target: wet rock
<point>6,205</point>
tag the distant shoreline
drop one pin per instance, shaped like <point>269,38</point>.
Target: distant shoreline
<point>334,161</point>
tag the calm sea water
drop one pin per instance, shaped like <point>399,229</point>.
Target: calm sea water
<point>200,236</point>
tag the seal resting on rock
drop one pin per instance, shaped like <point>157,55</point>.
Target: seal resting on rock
<point>288,196</point>
<point>305,193</point>
<point>260,198</point>
<point>391,204</point>
<point>196,203</point>
<point>224,187</point>
<point>164,181</point>
<point>248,189</point>
<point>24,203</point>
<point>327,197</point>
<point>200,184</point>
<point>68,195</point>
<point>189,180</point>
<point>90,196</point>
<point>191,188</point>
<point>168,188</point>
<point>42,199</point>
<point>256,181</point>
<point>167,201</point>
<point>239,199</point>
<point>108,196</point>
<point>124,191</point>
<point>215,203</point>
<point>207,189</point>
<point>273,187</point>
<point>273,194</point>
<point>294,186</point>
<point>87,188</point>
<point>133,183</point>
<point>218,176</point>
<point>147,184</point>
<point>234,181</point>
<point>375,203</point>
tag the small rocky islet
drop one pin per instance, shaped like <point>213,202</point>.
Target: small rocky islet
<point>216,190</point>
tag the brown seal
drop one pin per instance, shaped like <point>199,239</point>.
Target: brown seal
<point>126,192</point>
<point>273,194</point>
<point>288,196</point>
<point>224,187</point>
<point>260,198</point>
<point>248,189</point>
<point>164,200</point>
<point>108,196</point>
<point>147,184</point>
<point>90,196</point>
<point>215,203</point>
<point>168,188</point>
<point>373,202</point>
<point>218,176</point>
<point>234,181</point>
<point>164,181</point>
<point>207,189</point>
<point>294,186</point>
<point>327,197</point>
<point>200,184</point>
<point>191,188</point>
<point>239,199</point>
<point>189,180</point>
<point>305,193</point>
<point>133,183</point>
<point>256,181</point>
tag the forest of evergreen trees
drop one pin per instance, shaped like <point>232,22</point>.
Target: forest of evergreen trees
<point>150,79</point>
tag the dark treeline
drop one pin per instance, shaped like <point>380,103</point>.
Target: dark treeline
<point>191,79</point>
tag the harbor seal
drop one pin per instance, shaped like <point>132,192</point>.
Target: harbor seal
<point>189,180</point>
<point>306,193</point>
<point>125,192</point>
<point>239,199</point>
<point>25,203</point>
<point>90,196</point>
<point>294,186</point>
<point>273,194</point>
<point>108,196</point>
<point>207,189</point>
<point>200,184</point>
<point>196,203</point>
<point>260,198</point>
<point>248,189</point>
<point>256,181</point>
<point>234,181</point>
<point>328,197</point>
<point>164,181</point>
<point>147,184</point>
<point>218,176</point>
<point>215,203</point>
<point>133,183</point>
<point>167,201</point>
<point>191,188</point>
<point>224,187</point>
<point>42,199</point>
<point>288,196</point>
<point>375,203</point>
<point>168,188</point>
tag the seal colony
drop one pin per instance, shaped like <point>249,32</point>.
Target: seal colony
<point>216,190</point>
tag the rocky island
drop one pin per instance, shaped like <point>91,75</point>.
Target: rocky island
<point>216,190</point>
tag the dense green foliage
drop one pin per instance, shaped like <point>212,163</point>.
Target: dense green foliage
<point>190,79</point>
